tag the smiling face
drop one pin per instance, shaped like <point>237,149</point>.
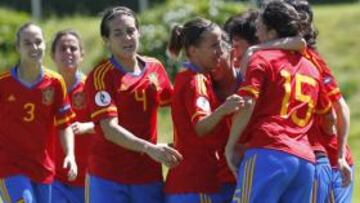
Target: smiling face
<point>31,45</point>
<point>68,54</point>
<point>208,52</point>
<point>123,39</point>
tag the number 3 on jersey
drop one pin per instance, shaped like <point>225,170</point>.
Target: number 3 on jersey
<point>29,109</point>
<point>299,96</point>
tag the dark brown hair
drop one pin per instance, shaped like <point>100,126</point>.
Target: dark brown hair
<point>243,26</point>
<point>308,29</point>
<point>112,12</point>
<point>282,17</point>
<point>61,33</point>
<point>188,35</point>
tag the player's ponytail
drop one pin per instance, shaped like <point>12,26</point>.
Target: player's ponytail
<point>175,43</point>
<point>188,35</point>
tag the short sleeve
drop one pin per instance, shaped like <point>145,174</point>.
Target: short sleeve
<point>64,115</point>
<point>166,89</point>
<point>254,78</point>
<point>99,93</point>
<point>197,99</point>
<point>323,104</point>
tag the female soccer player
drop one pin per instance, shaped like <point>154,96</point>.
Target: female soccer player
<point>279,163</point>
<point>196,114</point>
<point>335,144</point>
<point>33,101</point>
<point>335,183</point>
<point>67,52</point>
<point>226,81</point>
<point>124,93</point>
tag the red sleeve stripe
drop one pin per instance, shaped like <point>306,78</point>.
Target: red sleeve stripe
<point>325,110</point>
<point>109,109</point>
<point>199,113</point>
<point>251,90</point>
<point>99,76</point>
<point>333,92</point>
<point>65,120</point>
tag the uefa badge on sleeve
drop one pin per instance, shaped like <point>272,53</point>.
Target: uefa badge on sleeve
<point>102,98</point>
<point>203,104</point>
<point>48,95</point>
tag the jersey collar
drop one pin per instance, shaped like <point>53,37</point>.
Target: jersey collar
<point>118,66</point>
<point>14,73</point>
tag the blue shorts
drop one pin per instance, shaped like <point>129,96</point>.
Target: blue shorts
<point>99,190</point>
<point>193,198</point>
<point>273,176</point>
<point>63,193</point>
<point>227,192</point>
<point>20,188</point>
<point>322,183</point>
<point>341,194</point>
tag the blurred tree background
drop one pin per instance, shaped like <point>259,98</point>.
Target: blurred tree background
<point>337,21</point>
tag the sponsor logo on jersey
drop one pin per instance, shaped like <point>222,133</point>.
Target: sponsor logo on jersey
<point>102,98</point>
<point>78,100</point>
<point>48,95</point>
<point>203,104</point>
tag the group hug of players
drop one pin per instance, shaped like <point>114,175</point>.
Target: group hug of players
<point>256,112</point>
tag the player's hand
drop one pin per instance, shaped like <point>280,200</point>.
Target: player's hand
<point>164,154</point>
<point>70,164</point>
<point>232,103</point>
<point>81,128</point>
<point>345,170</point>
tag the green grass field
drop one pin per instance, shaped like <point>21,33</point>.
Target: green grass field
<point>338,42</point>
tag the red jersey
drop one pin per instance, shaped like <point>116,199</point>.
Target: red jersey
<point>334,94</point>
<point>82,142</point>
<point>134,100</point>
<point>286,88</point>
<point>29,113</point>
<point>193,99</point>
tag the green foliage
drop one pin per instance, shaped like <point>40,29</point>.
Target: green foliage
<point>9,22</point>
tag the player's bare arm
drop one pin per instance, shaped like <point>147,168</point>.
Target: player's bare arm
<point>67,142</point>
<point>208,123</point>
<point>342,126</point>
<point>240,121</point>
<point>288,43</point>
<point>124,138</point>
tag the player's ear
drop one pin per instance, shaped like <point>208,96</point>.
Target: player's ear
<point>192,50</point>
<point>273,34</point>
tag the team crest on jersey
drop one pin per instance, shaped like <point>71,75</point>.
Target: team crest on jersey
<point>102,98</point>
<point>11,98</point>
<point>78,100</point>
<point>154,80</point>
<point>203,104</point>
<point>48,95</point>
